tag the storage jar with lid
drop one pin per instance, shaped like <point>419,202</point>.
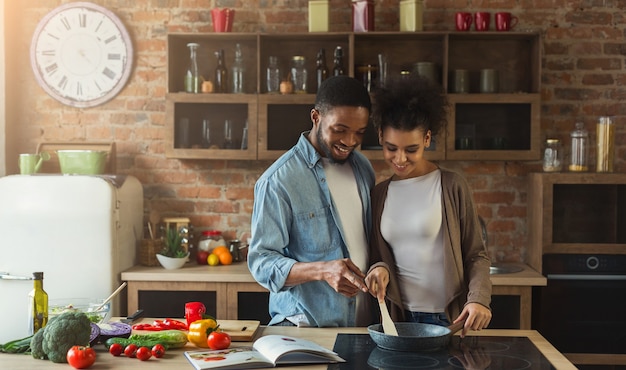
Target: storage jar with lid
<point>580,149</point>
<point>298,74</point>
<point>552,156</point>
<point>605,137</point>
<point>207,237</point>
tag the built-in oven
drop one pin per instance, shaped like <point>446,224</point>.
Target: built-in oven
<point>582,310</point>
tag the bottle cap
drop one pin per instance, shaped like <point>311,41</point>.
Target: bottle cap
<point>38,275</point>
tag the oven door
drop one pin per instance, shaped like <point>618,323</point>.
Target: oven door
<point>583,313</point>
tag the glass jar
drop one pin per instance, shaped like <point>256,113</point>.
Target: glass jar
<point>552,156</point>
<point>580,149</point>
<point>298,74</point>
<point>207,237</point>
<point>605,137</point>
<point>273,76</point>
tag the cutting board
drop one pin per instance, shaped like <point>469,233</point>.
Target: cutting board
<point>240,330</point>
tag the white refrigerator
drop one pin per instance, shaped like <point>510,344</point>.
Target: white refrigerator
<point>81,231</point>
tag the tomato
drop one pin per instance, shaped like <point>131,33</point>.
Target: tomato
<point>158,350</point>
<point>116,349</point>
<point>130,350</point>
<point>218,340</point>
<point>80,357</point>
<point>143,353</point>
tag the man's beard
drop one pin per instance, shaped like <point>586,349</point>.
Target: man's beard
<point>327,152</point>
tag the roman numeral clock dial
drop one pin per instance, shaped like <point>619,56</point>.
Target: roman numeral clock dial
<point>81,54</point>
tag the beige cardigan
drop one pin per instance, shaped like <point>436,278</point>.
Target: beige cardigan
<point>466,260</point>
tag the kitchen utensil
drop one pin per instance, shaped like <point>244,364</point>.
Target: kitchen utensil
<point>132,317</point>
<point>388,325</point>
<point>82,162</point>
<point>414,336</point>
<point>109,298</point>
<point>154,219</point>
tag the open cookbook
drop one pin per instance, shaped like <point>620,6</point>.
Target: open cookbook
<point>267,351</point>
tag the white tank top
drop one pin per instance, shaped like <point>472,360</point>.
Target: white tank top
<point>412,225</point>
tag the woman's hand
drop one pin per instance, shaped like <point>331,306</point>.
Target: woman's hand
<point>377,281</point>
<point>477,315</point>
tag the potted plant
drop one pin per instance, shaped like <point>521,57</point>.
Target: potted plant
<point>173,255</point>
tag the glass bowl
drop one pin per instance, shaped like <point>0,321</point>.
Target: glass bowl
<point>85,305</point>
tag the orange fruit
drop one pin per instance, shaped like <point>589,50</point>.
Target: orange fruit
<point>213,260</point>
<point>219,250</point>
<point>225,258</point>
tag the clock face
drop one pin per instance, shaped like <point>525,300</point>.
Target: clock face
<point>81,54</point>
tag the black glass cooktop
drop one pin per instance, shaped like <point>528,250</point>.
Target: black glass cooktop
<point>511,353</point>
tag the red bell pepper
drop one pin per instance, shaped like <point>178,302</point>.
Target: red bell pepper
<point>194,311</point>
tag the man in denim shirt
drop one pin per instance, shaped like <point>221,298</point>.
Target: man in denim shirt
<point>311,216</point>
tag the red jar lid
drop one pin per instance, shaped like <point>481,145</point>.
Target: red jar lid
<point>211,232</point>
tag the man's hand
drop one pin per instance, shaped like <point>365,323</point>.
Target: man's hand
<point>342,275</point>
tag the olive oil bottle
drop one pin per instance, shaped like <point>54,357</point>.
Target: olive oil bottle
<point>38,317</point>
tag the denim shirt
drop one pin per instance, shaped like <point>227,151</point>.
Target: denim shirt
<point>295,220</point>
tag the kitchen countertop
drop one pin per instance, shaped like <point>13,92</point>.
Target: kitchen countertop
<point>239,273</point>
<point>174,359</point>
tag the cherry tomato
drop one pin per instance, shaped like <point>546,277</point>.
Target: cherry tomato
<point>116,349</point>
<point>143,353</point>
<point>158,350</point>
<point>80,357</point>
<point>130,350</point>
<point>218,340</point>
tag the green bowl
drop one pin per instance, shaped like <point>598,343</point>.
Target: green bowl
<point>82,162</point>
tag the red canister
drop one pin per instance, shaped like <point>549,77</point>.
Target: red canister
<point>362,16</point>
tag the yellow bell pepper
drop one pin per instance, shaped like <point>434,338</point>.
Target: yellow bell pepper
<point>199,331</point>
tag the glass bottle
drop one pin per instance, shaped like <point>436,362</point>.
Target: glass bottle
<point>221,73</point>
<point>321,71</point>
<point>38,315</point>
<point>338,62</point>
<point>244,137</point>
<point>580,149</point>
<point>273,76</point>
<point>238,71</point>
<point>228,134</point>
<point>206,133</point>
<point>552,156</point>
<point>192,77</point>
<point>298,74</point>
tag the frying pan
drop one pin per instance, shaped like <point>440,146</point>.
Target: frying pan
<point>414,336</point>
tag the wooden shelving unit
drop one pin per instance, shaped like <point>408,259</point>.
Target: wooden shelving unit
<point>500,126</point>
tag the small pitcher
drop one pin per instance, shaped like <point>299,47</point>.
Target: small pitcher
<point>31,163</point>
<point>222,19</point>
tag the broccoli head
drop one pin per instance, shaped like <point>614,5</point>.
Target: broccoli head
<point>36,346</point>
<point>70,328</point>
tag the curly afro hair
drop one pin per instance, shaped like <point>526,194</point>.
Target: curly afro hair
<point>408,103</point>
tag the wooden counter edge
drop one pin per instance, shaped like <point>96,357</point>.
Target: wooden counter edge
<point>239,273</point>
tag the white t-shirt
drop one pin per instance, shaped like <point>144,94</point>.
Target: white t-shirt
<point>345,195</point>
<point>412,225</point>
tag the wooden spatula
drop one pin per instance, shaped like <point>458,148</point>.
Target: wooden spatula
<point>389,327</point>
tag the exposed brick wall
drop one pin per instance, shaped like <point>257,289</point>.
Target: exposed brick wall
<point>583,78</point>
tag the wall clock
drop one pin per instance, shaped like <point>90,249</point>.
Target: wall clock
<point>81,54</point>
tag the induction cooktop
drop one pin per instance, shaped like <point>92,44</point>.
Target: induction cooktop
<point>511,353</point>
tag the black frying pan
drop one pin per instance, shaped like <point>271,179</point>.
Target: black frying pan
<point>414,336</point>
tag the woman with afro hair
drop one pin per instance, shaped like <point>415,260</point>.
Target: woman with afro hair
<point>427,256</point>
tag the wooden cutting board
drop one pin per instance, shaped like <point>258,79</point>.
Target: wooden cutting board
<point>240,330</point>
